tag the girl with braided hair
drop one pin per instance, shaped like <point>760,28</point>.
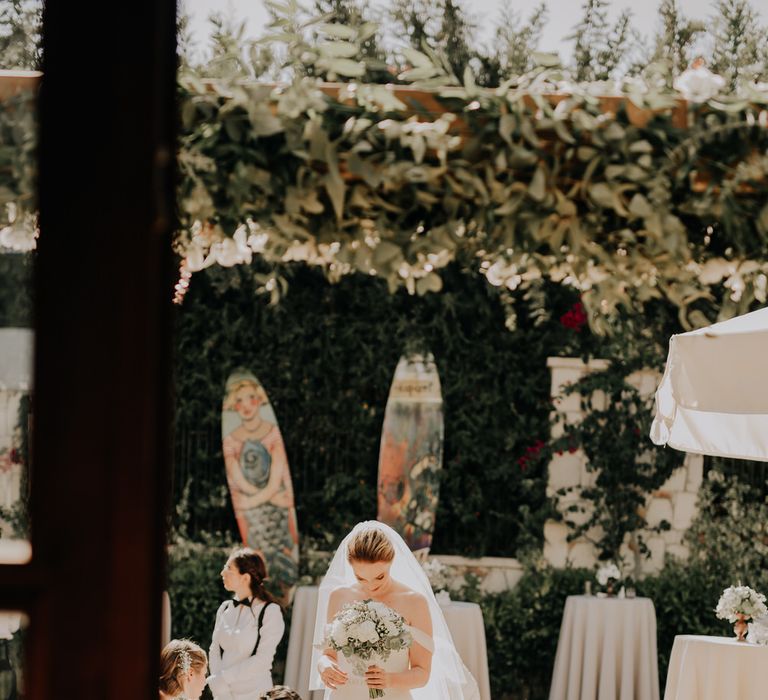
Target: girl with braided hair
<point>183,665</point>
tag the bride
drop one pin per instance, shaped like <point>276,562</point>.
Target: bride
<point>374,563</point>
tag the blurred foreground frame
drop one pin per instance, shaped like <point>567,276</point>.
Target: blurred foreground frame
<point>101,461</point>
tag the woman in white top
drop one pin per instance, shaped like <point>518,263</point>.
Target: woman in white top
<point>247,632</point>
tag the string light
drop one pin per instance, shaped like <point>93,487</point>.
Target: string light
<point>182,286</point>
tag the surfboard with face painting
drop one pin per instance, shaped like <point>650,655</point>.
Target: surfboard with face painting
<point>411,453</point>
<point>259,479</point>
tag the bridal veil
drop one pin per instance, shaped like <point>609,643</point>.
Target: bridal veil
<point>449,679</point>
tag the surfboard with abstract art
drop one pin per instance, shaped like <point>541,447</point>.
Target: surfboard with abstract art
<point>259,479</point>
<point>411,454</point>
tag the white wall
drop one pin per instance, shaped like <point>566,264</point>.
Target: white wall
<point>675,501</point>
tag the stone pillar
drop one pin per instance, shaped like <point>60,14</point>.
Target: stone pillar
<point>674,502</point>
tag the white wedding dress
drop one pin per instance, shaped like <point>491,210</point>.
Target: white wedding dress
<point>449,678</point>
<point>356,689</point>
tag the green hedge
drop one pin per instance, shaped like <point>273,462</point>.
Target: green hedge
<point>522,628</point>
<point>326,355</point>
<point>685,595</point>
<point>15,290</point>
<point>195,589</point>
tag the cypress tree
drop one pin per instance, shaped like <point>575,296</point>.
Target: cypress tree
<point>600,50</point>
<point>675,38</point>
<point>739,43</point>
<point>515,41</point>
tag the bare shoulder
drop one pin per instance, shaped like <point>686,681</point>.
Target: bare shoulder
<point>340,597</point>
<point>414,605</point>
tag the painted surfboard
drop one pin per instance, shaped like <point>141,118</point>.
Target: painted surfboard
<point>411,454</point>
<point>259,479</point>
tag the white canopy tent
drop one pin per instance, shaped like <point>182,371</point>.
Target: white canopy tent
<point>713,397</point>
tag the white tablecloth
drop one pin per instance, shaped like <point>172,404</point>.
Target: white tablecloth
<point>606,650</point>
<point>716,668</point>
<point>465,620</point>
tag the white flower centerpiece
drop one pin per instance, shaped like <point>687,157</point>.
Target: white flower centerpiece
<point>439,577</point>
<point>366,632</point>
<point>608,576</point>
<point>738,604</point>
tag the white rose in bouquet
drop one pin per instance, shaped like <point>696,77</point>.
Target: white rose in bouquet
<point>337,632</point>
<point>391,628</point>
<point>366,632</point>
<point>383,611</point>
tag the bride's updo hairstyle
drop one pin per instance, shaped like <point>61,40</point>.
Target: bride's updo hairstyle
<point>177,659</point>
<point>370,546</point>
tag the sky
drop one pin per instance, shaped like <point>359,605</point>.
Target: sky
<point>563,15</point>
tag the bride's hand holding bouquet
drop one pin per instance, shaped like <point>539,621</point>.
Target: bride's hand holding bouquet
<point>366,631</point>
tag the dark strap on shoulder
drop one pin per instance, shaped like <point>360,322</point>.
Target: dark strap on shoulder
<point>259,623</point>
<point>221,649</point>
<point>258,628</point>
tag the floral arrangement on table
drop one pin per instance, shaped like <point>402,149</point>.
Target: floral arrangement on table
<point>608,577</point>
<point>738,604</point>
<point>439,577</point>
<point>757,631</point>
<point>364,632</point>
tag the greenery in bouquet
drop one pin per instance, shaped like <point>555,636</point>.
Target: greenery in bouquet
<point>366,631</point>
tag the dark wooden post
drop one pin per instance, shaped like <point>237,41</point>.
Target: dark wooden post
<point>104,282</point>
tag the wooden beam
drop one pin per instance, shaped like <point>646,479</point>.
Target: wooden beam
<point>12,82</point>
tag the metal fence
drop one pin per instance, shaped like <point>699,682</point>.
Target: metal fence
<point>201,499</point>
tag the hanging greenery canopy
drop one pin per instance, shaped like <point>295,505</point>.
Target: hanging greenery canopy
<point>636,196</point>
<point>626,198</point>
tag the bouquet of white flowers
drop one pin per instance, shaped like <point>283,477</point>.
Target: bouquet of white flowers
<point>365,631</point>
<point>739,603</point>
<point>608,576</point>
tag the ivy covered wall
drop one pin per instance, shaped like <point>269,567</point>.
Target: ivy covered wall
<point>326,355</point>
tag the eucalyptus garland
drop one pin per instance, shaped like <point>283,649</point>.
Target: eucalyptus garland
<point>639,196</point>
<point>628,198</point>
